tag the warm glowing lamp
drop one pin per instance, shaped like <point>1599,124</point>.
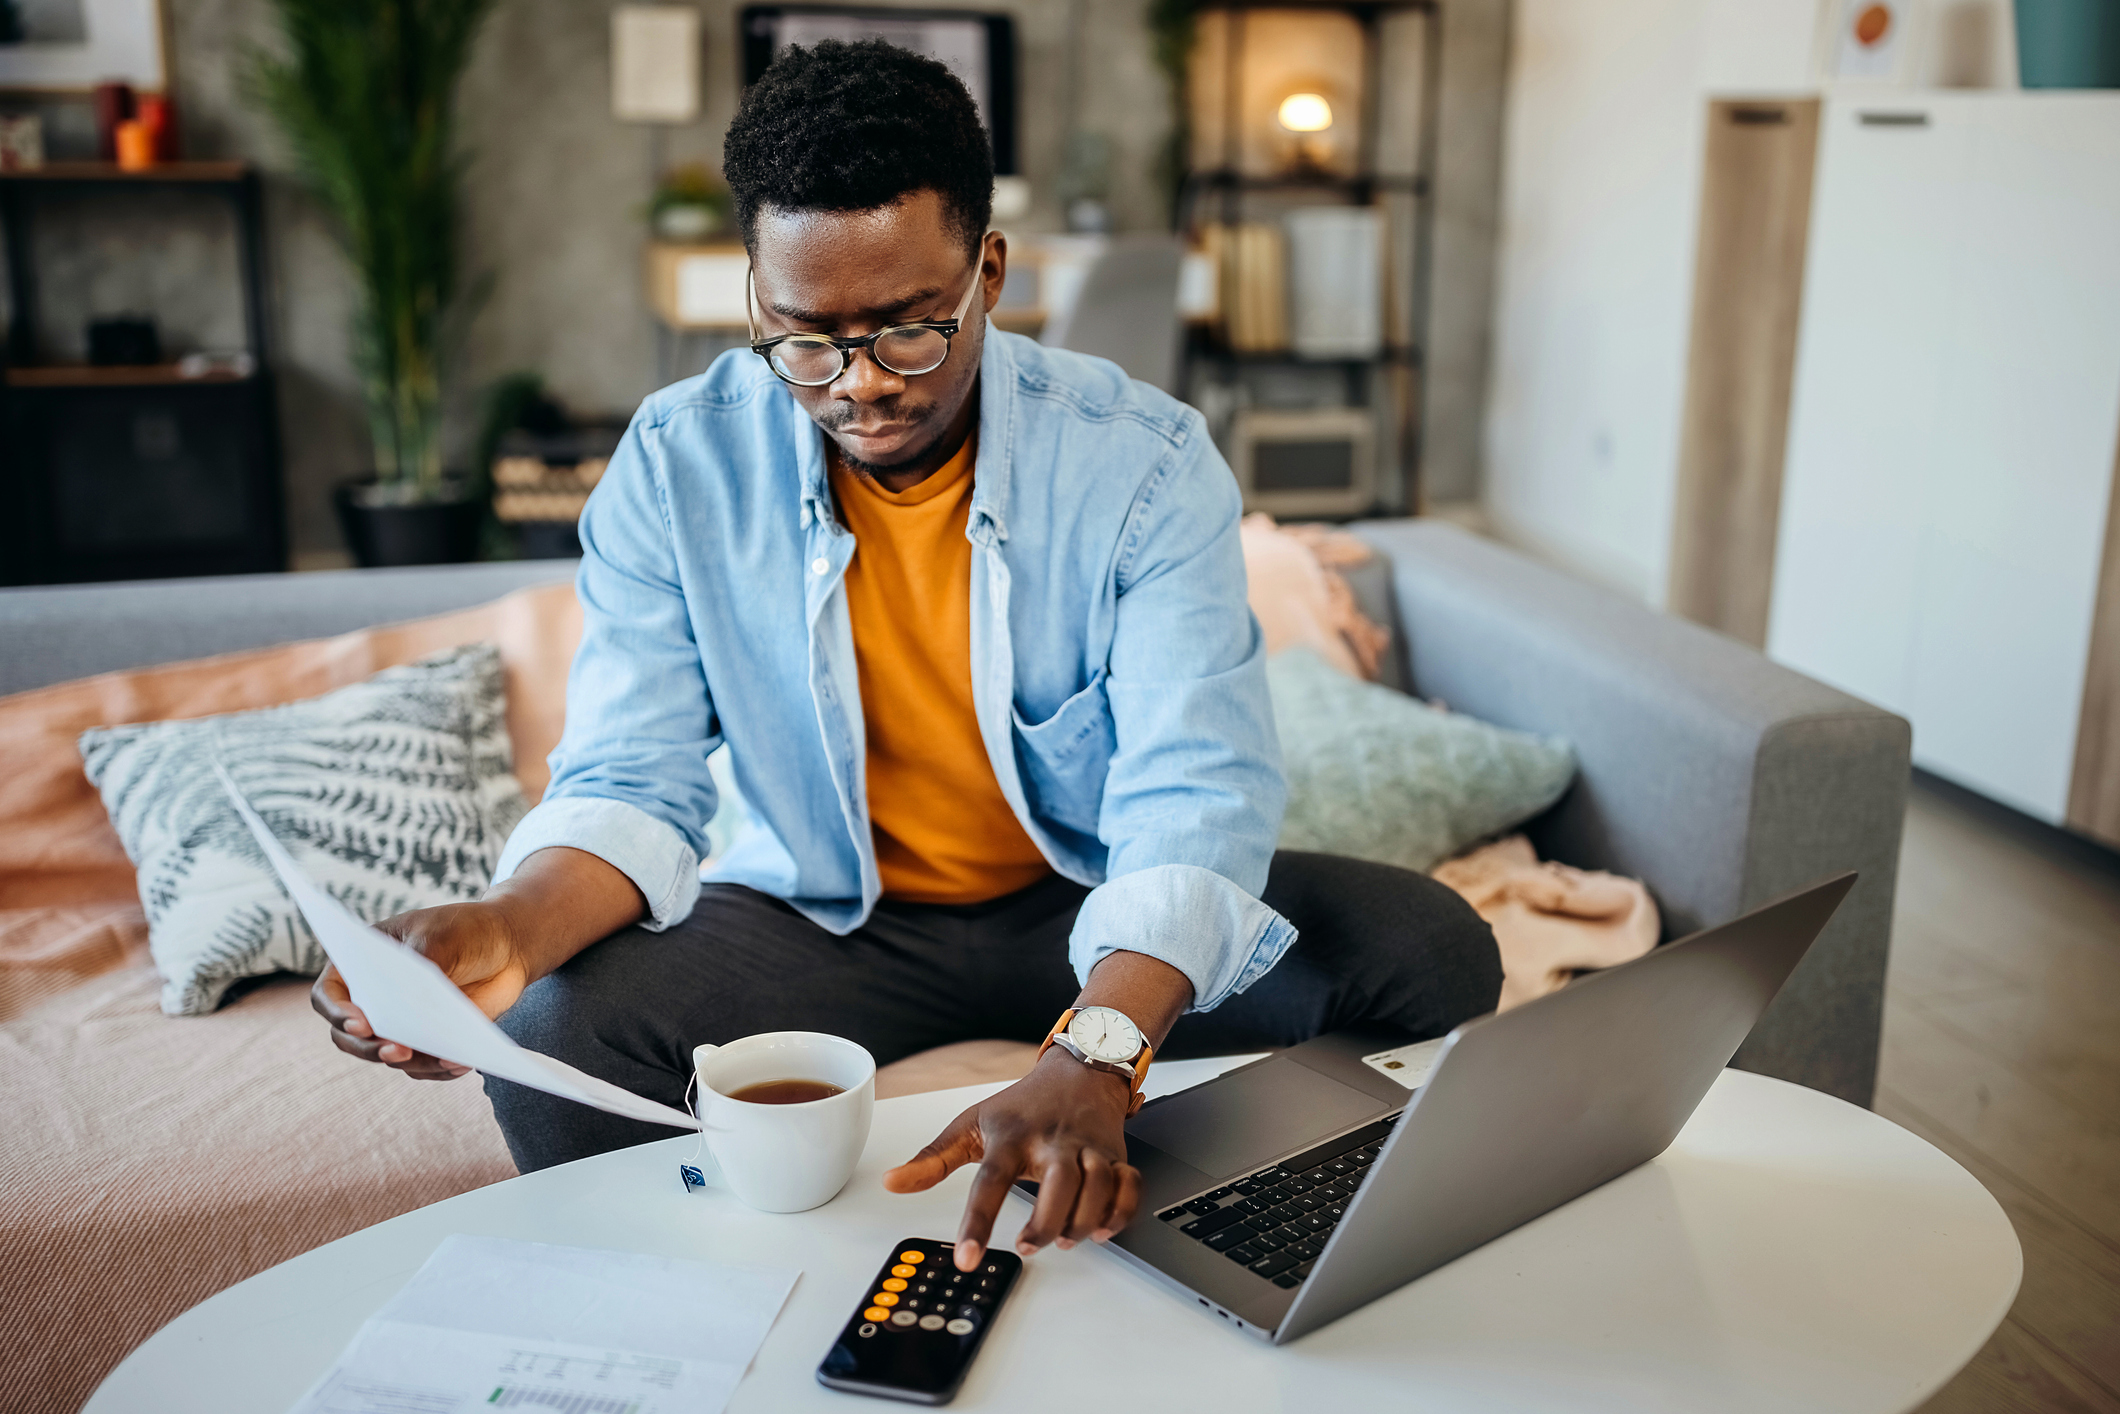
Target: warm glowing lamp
<point>1305,113</point>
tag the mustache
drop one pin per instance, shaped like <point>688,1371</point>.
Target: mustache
<point>838,417</point>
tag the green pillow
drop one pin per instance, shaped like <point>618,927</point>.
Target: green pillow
<point>1375,774</point>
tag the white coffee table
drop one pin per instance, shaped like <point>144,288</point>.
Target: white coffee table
<point>1789,1252</point>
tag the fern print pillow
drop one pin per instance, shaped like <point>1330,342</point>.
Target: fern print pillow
<point>394,793</point>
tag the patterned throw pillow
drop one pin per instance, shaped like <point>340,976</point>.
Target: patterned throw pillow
<point>393,793</point>
<point>1375,774</point>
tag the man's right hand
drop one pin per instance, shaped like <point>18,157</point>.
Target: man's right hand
<point>558,903</point>
<point>475,946</point>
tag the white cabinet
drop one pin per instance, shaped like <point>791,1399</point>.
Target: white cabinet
<point>1952,429</point>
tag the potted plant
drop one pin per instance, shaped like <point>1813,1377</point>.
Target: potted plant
<point>364,96</point>
<point>689,205</point>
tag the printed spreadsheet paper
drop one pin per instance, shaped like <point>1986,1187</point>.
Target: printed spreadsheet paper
<point>411,1001</point>
<point>490,1323</point>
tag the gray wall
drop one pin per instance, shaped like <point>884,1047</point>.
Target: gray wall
<point>556,184</point>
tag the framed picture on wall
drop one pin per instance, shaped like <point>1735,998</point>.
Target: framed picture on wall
<point>979,47</point>
<point>1868,42</point>
<point>70,46</point>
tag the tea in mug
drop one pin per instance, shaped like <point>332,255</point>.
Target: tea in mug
<point>786,1092</point>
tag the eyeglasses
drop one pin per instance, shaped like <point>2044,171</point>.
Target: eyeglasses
<point>813,360</point>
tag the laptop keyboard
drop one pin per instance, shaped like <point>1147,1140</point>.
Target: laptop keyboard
<point>1275,1222</point>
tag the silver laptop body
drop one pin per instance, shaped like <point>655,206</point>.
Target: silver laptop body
<point>1522,1112</point>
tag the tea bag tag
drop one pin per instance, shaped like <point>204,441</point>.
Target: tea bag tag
<point>695,1178</point>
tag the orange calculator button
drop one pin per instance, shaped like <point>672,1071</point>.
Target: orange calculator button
<point>893,1284</point>
<point>902,1270</point>
<point>886,1298</point>
<point>909,1255</point>
<point>875,1313</point>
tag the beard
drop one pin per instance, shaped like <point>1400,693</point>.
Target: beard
<point>894,410</point>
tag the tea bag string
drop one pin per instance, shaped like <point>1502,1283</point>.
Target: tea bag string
<point>694,1111</point>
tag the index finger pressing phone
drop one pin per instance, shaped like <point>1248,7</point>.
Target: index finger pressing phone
<point>919,1323</point>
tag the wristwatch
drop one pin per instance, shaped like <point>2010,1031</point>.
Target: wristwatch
<point>1104,1038</point>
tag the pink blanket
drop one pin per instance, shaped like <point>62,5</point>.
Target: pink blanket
<point>1551,921</point>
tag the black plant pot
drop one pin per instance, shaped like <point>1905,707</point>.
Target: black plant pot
<point>436,533</point>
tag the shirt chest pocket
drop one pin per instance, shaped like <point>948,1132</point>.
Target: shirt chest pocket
<point>1064,758</point>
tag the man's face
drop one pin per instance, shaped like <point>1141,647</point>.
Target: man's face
<point>850,273</point>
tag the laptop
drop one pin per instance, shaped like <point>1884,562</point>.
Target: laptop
<point>1284,1194</point>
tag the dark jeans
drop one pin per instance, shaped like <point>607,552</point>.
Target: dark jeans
<point>1377,944</point>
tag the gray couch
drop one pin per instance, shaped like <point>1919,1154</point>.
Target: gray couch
<point>1716,776</point>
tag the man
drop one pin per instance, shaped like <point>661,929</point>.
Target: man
<point>982,656</point>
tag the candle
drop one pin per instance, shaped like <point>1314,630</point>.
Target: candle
<point>136,145</point>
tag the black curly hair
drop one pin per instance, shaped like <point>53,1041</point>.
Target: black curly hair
<point>851,127</point>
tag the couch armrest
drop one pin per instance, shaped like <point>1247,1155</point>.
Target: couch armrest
<point>1720,778</point>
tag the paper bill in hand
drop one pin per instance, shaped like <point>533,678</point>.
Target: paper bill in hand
<point>412,1002</point>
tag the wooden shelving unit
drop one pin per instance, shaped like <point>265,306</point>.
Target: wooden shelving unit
<point>1227,193</point>
<point>126,472</point>
<point>92,375</point>
<point>163,173</point>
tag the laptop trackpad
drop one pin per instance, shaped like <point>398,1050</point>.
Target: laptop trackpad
<point>1242,1120</point>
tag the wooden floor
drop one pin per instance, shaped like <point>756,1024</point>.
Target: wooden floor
<point>2002,1048</point>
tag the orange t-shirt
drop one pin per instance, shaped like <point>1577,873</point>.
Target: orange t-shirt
<point>944,833</point>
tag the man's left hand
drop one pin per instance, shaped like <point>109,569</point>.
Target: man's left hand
<point>1062,1126</point>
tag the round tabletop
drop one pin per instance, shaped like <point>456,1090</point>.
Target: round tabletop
<point>1790,1251</point>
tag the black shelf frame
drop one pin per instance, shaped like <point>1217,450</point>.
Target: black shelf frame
<point>32,408</point>
<point>1219,194</point>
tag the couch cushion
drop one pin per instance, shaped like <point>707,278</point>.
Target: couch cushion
<point>57,847</point>
<point>1296,585</point>
<point>1370,582</point>
<point>1374,774</point>
<point>960,1063</point>
<point>394,794</point>
<point>150,1163</point>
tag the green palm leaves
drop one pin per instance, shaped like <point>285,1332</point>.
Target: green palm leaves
<point>363,96</point>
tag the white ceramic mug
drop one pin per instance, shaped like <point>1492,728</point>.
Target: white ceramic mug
<point>784,1158</point>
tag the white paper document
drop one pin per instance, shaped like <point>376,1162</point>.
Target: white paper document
<point>409,1000</point>
<point>490,1323</point>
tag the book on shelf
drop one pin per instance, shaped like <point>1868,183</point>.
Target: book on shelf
<point>1251,258</point>
<point>1336,270</point>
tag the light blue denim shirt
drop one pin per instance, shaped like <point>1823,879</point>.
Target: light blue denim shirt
<point>1118,677</point>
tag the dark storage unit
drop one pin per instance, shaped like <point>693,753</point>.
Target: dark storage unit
<point>135,471</point>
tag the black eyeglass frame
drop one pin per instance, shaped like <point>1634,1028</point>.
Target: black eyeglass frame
<point>847,348</point>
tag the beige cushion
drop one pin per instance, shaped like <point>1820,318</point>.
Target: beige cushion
<point>1302,600</point>
<point>947,1067</point>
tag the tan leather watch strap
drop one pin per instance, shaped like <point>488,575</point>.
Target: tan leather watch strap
<point>1141,1062</point>
<point>1058,1027</point>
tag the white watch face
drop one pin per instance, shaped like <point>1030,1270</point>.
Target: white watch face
<point>1105,1035</point>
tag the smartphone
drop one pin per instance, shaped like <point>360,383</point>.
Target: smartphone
<point>916,1328</point>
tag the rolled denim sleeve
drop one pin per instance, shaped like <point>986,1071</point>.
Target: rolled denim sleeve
<point>1194,793</point>
<point>1219,936</point>
<point>630,780</point>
